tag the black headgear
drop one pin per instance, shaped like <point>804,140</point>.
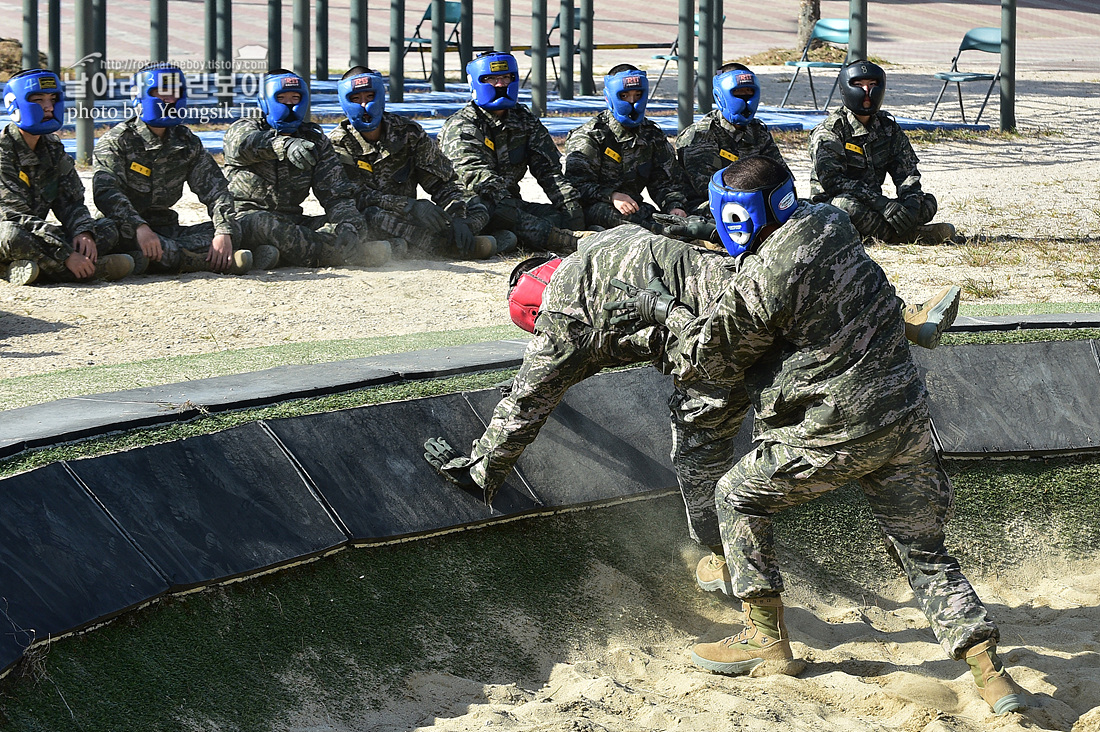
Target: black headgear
<point>854,95</point>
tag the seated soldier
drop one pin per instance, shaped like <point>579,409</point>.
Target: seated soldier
<point>617,154</point>
<point>493,141</point>
<point>140,167</point>
<point>37,176</point>
<point>851,153</point>
<point>727,133</point>
<point>272,162</point>
<point>386,156</point>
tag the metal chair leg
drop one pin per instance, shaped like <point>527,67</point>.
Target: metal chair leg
<point>790,86</point>
<point>937,104</point>
<point>813,94</point>
<point>986,100</point>
<point>962,111</point>
<point>836,83</point>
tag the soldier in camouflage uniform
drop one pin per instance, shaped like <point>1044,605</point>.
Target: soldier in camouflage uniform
<point>386,157</point>
<point>852,152</point>
<point>810,320</point>
<point>493,141</point>
<point>140,167</point>
<point>729,132</point>
<point>617,154</point>
<point>37,176</point>
<point>272,162</point>
<point>575,338</point>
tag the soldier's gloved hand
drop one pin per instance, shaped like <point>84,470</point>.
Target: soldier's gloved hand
<point>687,227</point>
<point>428,215</point>
<point>452,465</point>
<point>900,218</point>
<point>650,306</point>
<point>296,151</point>
<point>464,238</point>
<point>575,222</point>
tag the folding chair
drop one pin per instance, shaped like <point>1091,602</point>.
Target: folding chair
<point>553,52</point>
<point>452,14</point>
<point>829,30</point>
<point>986,40</point>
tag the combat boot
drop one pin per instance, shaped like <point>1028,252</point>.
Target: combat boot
<point>487,246</point>
<point>562,241</point>
<point>22,272</point>
<point>190,261</point>
<point>934,233</point>
<point>111,267</point>
<point>1000,692</point>
<point>712,574</point>
<point>355,254</point>
<point>926,322</point>
<point>265,257</point>
<point>763,641</point>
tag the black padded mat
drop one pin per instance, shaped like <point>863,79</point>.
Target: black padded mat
<point>1017,398</point>
<point>368,462</point>
<point>213,507</point>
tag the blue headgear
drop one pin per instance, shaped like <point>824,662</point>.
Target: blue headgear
<point>365,117</point>
<point>629,115</point>
<point>280,116</point>
<point>740,215</point>
<point>736,110</point>
<point>28,115</point>
<point>486,95</point>
<point>163,79</point>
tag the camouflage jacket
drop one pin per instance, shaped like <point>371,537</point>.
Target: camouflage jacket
<point>581,285</point>
<point>386,173</point>
<point>491,155</point>
<point>259,181</point>
<point>712,143</point>
<point>138,177</point>
<point>35,182</point>
<point>813,323</point>
<point>848,159</point>
<point>602,157</point>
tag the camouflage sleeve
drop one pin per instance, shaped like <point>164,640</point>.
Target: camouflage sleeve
<point>474,163</point>
<point>764,144</point>
<point>69,207</point>
<point>829,162</point>
<point>108,166</point>
<point>666,184</point>
<point>902,167</point>
<point>331,185</point>
<point>544,160</point>
<point>245,143</point>
<point>434,171</point>
<point>208,183</point>
<point>15,207</point>
<point>582,168</point>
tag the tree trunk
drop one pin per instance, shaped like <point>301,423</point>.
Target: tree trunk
<point>809,12</point>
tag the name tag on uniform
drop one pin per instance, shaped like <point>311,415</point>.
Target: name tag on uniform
<point>728,155</point>
<point>364,165</point>
<point>139,168</point>
<point>23,177</point>
<point>613,155</point>
<point>853,147</point>
<point>489,144</point>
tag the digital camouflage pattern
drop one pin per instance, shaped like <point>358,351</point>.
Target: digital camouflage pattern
<point>574,339</point>
<point>603,157</point>
<point>849,163</point>
<point>710,145</point>
<point>491,155</point>
<point>385,175</point>
<point>32,184</point>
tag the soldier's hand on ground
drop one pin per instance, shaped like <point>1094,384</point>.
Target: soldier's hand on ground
<point>686,227</point>
<point>439,454</point>
<point>221,252</point>
<point>427,214</point>
<point>80,265</point>
<point>296,151</point>
<point>464,238</point>
<point>899,217</point>
<point>624,204</point>
<point>149,243</point>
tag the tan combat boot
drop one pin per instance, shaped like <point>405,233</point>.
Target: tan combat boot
<point>712,574</point>
<point>111,267</point>
<point>934,233</point>
<point>926,322</point>
<point>240,263</point>
<point>1000,692</point>
<point>763,643</point>
<point>22,272</point>
<point>355,254</point>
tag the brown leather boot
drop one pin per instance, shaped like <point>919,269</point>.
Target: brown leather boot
<point>763,641</point>
<point>1000,692</point>
<point>712,574</point>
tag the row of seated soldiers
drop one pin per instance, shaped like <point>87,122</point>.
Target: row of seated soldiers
<point>366,172</point>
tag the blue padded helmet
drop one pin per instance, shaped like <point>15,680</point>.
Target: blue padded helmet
<point>740,215</point>
<point>629,114</point>
<point>736,110</point>
<point>364,117</point>
<point>486,95</point>
<point>28,116</point>
<point>280,116</point>
<point>165,79</point>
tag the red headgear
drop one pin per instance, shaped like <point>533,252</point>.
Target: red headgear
<point>525,287</point>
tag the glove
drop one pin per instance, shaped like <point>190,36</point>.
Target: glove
<point>441,456</point>
<point>687,227</point>
<point>650,306</point>
<point>575,220</point>
<point>428,215</point>
<point>298,152</point>
<point>464,238</point>
<point>900,218</point>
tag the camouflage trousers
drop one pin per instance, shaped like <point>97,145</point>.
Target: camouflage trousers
<point>173,238</point>
<point>564,352</point>
<point>421,240</point>
<point>910,496</point>
<point>299,239</point>
<point>44,243</point>
<point>607,216</point>
<point>871,223</point>
<point>530,222</point>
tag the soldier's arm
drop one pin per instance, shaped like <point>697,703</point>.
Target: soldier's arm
<point>434,172</point>
<point>69,207</point>
<point>764,144</point>
<point>208,183</point>
<point>828,158</point>
<point>108,183</point>
<point>245,143</point>
<point>544,161</point>
<point>582,168</point>
<point>331,185</point>
<point>666,183</point>
<point>903,167</point>
<point>15,207</point>
<point>474,162</point>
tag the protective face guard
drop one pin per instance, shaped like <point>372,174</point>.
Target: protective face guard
<point>363,117</point>
<point>736,110</point>
<point>152,110</point>
<point>628,114</point>
<point>853,95</point>
<point>525,287</point>
<point>280,116</point>
<point>486,95</point>
<point>29,116</point>
<point>740,215</point>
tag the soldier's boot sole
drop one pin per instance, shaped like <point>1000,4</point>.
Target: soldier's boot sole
<point>241,263</point>
<point>265,257</point>
<point>926,322</point>
<point>754,667</point>
<point>934,233</point>
<point>22,272</point>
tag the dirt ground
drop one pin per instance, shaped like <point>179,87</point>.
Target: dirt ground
<point>1026,205</point>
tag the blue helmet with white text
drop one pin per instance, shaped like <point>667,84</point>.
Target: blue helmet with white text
<point>284,118</point>
<point>160,79</point>
<point>484,94</point>
<point>364,117</point>
<point>29,116</point>
<point>737,94</point>
<point>629,114</point>
<point>743,209</point>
